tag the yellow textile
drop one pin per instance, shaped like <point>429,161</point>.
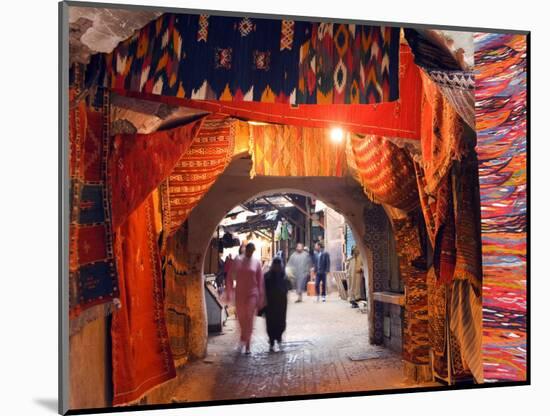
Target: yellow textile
<point>281,150</point>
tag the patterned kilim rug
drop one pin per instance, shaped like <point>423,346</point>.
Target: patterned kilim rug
<point>197,170</point>
<point>92,271</point>
<point>140,162</point>
<point>385,171</point>
<point>501,125</point>
<point>141,351</point>
<point>205,57</point>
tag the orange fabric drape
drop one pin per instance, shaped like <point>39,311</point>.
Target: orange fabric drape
<point>279,150</point>
<point>441,132</point>
<point>140,162</point>
<point>141,351</point>
<point>197,170</point>
<point>385,171</point>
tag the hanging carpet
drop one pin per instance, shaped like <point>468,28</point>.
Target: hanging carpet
<point>141,354</point>
<point>396,119</point>
<point>438,213</point>
<point>280,150</point>
<point>415,320</point>
<point>501,74</point>
<point>92,270</point>
<point>177,312</point>
<point>139,163</point>
<point>385,171</point>
<point>441,135</point>
<point>197,170</point>
<point>437,312</point>
<point>205,57</point>
<point>456,83</point>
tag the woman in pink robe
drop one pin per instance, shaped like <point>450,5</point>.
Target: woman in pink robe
<point>249,292</point>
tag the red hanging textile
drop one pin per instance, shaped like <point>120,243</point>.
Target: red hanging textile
<point>397,119</point>
<point>441,135</point>
<point>142,358</point>
<point>140,162</point>
<point>279,150</point>
<point>385,171</point>
<point>92,272</point>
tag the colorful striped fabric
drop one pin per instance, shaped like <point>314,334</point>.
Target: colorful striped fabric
<point>197,170</point>
<point>225,58</point>
<point>501,120</point>
<point>385,171</point>
<point>140,162</point>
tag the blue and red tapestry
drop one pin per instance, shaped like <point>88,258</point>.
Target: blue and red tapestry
<point>92,270</point>
<point>501,122</point>
<point>205,57</point>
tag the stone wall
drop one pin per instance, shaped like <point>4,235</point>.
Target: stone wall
<point>395,315</point>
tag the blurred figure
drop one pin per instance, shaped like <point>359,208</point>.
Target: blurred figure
<point>322,267</point>
<point>242,249</point>
<point>265,266</point>
<point>299,265</point>
<point>220,275</point>
<point>276,288</point>
<point>246,271</point>
<point>356,290</point>
<point>227,268</point>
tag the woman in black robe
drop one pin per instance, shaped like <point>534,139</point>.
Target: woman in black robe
<point>276,288</point>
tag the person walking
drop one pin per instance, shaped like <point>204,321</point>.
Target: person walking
<point>299,265</point>
<point>356,289</point>
<point>246,271</point>
<point>276,289</point>
<point>322,267</point>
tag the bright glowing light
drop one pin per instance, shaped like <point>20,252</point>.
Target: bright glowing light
<point>337,135</point>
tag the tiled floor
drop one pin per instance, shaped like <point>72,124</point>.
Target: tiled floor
<point>325,350</point>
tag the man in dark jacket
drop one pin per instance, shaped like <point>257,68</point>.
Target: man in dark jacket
<point>322,267</point>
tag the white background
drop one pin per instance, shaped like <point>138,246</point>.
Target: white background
<point>28,204</point>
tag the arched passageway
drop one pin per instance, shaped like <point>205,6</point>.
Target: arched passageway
<point>345,195</point>
<point>374,238</point>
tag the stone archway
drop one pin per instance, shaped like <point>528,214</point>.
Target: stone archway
<point>368,221</point>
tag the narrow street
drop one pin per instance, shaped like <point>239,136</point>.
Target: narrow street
<point>325,350</point>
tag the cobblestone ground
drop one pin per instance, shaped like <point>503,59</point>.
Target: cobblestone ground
<point>325,350</point>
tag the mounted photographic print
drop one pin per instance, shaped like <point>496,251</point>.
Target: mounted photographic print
<point>261,208</point>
